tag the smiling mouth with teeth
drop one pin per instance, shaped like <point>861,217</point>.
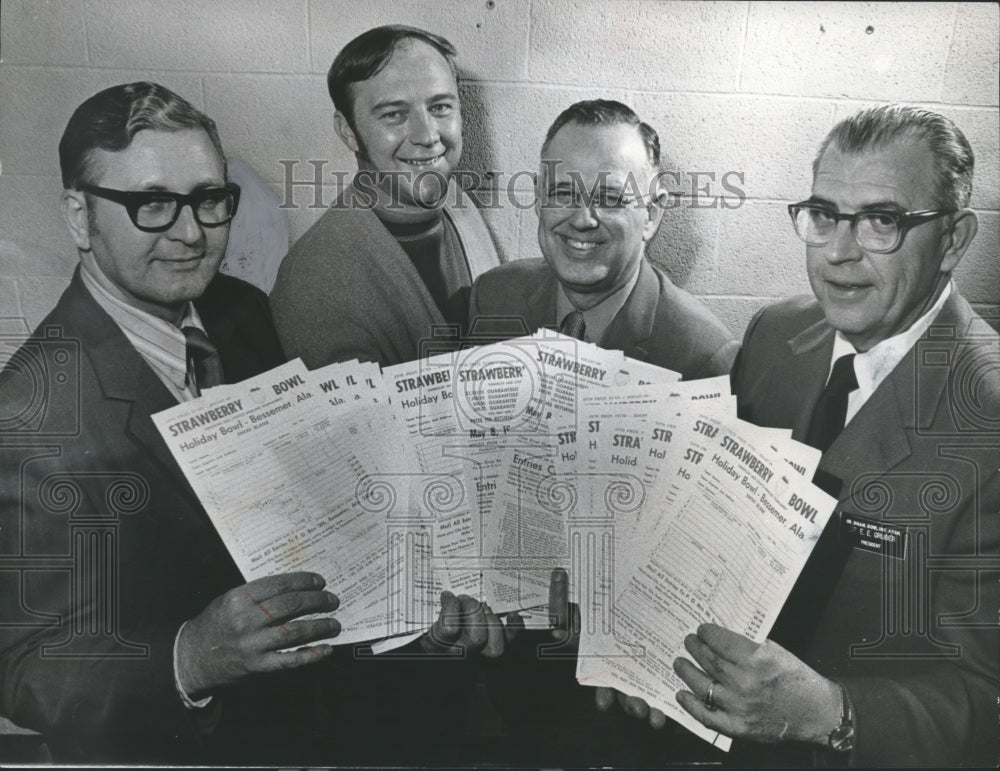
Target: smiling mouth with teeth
<point>585,245</point>
<point>422,162</point>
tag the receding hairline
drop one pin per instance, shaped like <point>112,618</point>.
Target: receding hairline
<point>895,124</point>
<point>906,140</point>
<point>910,136</point>
<point>95,156</point>
<point>636,131</point>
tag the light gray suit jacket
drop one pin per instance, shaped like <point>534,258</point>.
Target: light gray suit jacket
<point>915,640</point>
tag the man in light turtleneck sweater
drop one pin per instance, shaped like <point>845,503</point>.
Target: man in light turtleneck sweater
<point>391,263</point>
<point>389,266</point>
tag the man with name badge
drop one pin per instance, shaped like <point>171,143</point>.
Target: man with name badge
<point>888,651</point>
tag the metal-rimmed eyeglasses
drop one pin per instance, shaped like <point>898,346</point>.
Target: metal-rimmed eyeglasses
<point>876,230</point>
<point>154,211</point>
<point>603,200</point>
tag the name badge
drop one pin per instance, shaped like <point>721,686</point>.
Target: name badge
<point>870,535</point>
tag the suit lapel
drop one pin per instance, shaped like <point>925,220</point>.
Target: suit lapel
<point>875,442</point>
<point>811,349</point>
<point>877,438</point>
<point>474,238</point>
<point>540,309</point>
<point>151,396</point>
<point>633,324</point>
<point>122,374</point>
<point>953,324</point>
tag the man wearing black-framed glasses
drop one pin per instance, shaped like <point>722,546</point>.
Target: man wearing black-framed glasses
<point>887,652</point>
<point>167,659</point>
<point>154,211</point>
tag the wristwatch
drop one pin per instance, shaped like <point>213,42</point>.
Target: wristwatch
<point>841,738</point>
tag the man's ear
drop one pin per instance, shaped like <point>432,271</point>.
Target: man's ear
<point>957,239</point>
<point>539,183</point>
<point>75,212</point>
<point>345,132</point>
<point>654,209</point>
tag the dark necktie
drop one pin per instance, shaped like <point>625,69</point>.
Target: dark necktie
<point>828,417</point>
<point>203,362</point>
<point>573,325</point>
<point>799,617</point>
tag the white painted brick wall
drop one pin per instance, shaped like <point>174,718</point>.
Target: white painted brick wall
<point>507,123</point>
<point>749,87</point>
<point>221,36</point>
<point>865,50</point>
<point>973,75</point>
<point>638,44</point>
<point>51,32</point>
<point>491,37</point>
<point>268,118</point>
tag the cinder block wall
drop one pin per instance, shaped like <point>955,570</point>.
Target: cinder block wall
<point>742,87</point>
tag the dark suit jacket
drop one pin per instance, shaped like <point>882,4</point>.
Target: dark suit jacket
<point>914,640</point>
<point>93,484</point>
<point>659,323</point>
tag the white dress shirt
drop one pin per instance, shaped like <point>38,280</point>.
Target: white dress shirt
<point>158,342</point>
<point>874,365</point>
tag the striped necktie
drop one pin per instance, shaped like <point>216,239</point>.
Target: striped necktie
<point>203,362</point>
<point>573,325</point>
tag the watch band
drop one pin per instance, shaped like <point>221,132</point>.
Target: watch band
<point>841,738</point>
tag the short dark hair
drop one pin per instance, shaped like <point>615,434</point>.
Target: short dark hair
<point>366,55</point>
<point>606,112</point>
<point>884,125</point>
<point>111,118</point>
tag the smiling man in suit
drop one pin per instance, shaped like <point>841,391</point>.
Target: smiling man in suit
<point>887,652</point>
<point>599,202</point>
<point>151,648</point>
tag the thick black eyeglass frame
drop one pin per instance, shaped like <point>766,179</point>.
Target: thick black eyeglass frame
<point>905,220</point>
<point>133,200</point>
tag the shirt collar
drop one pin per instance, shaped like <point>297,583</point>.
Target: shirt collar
<point>875,364</point>
<point>158,342</point>
<point>598,318</point>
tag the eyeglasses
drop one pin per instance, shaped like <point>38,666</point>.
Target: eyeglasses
<point>604,201</point>
<point>877,231</point>
<point>154,211</point>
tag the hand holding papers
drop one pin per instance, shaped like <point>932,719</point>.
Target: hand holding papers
<point>470,475</point>
<point>243,631</point>
<point>734,524</point>
<point>466,624</point>
<point>284,472</point>
<point>761,692</point>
